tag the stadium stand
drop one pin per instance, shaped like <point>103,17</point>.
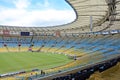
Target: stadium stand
<point>93,46</point>
<point>86,50</point>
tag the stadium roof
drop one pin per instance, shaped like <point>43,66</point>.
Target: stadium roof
<point>100,10</point>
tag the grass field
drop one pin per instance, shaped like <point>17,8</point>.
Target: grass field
<point>12,62</point>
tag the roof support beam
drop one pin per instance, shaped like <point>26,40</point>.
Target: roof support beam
<point>91,15</point>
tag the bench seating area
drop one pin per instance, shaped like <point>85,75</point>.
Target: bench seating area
<point>88,49</point>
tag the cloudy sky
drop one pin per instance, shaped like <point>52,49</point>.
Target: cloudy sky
<point>35,12</point>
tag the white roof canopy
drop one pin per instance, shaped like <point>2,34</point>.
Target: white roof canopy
<point>100,10</point>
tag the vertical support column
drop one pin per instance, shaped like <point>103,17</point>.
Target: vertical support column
<point>91,23</point>
<point>57,33</point>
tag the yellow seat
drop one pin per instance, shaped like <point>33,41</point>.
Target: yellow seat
<point>3,49</point>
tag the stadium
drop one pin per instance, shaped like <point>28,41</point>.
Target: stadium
<point>85,49</point>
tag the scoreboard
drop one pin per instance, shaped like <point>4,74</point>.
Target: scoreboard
<point>25,33</point>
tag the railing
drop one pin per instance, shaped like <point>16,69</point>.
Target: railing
<point>92,61</point>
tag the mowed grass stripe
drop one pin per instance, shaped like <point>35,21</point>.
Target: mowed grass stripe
<point>11,62</point>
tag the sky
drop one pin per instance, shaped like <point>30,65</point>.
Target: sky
<point>35,13</point>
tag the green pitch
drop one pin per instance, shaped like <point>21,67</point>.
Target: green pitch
<point>12,62</point>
